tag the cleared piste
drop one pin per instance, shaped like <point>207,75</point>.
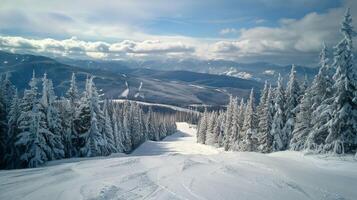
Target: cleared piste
<point>179,168</point>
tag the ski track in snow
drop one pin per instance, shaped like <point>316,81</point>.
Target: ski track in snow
<point>179,168</point>
<point>125,93</point>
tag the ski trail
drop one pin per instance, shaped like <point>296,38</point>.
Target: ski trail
<point>180,168</point>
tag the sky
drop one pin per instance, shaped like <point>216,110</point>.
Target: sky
<point>277,31</point>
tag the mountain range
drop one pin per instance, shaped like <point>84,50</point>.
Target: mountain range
<point>181,83</point>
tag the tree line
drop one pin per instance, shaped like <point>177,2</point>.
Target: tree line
<point>320,117</point>
<point>40,127</point>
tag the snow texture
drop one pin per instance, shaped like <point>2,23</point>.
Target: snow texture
<point>180,168</point>
<point>125,93</point>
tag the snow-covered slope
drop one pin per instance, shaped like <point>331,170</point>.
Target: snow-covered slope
<point>158,104</point>
<point>179,168</point>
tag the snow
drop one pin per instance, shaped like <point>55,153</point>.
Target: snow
<point>235,73</point>
<point>158,104</point>
<point>179,168</point>
<point>125,93</point>
<point>139,90</point>
<point>183,142</point>
<point>269,72</point>
<point>197,86</point>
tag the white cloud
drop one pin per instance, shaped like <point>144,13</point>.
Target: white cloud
<point>260,21</point>
<point>228,31</point>
<point>295,39</point>
<point>292,41</point>
<point>74,47</point>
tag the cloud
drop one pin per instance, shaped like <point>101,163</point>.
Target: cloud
<point>116,29</point>
<point>99,50</point>
<point>260,21</point>
<point>228,31</point>
<point>296,39</point>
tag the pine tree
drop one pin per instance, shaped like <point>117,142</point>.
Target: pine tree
<point>262,101</point>
<point>249,126</point>
<point>73,97</point>
<point>321,93</point>
<point>94,144</point>
<point>82,120</point>
<point>279,137</point>
<point>305,85</point>
<point>12,154</point>
<point>51,118</point>
<point>241,113</point>
<point>31,141</point>
<point>202,130</point>
<point>211,137</point>
<point>108,131</point>
<point>219,129</point>
<point>227,125</point>
<point>342,127</point>
<point>118,134</point>
<point>136,130</point>
<point>265,139</point>
<point>292,101</point>
<point>7,91</point>
<point>66,118</point>
<point>150,125</point>
<point>33,150</point>
<point>303,124</point>
<point>127,128</point>
<point>235,129</point>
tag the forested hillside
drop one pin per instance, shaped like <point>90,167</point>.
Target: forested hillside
<point>37,126</point>
<point>320,117</point>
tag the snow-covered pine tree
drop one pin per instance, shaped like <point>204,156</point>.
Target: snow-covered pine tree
<point>305,85</point>
<point>241,113</point>
<point>66,118</point>
<point>303,124</point>
<point>3,129</point>
<point>202,131</point>
<point>108,132</point>
<point>94,144</point>
<point>321,93</point>
<point>150,125</point>
<point>293,94</point>
<point>265,139</point>
<point>342,127</point>
<point>279,137</point>
<point>52,123</point>
<point>30,141</point>
<point>118,134</point>
<point>127,127</point>
<point>82,120</point>
<point>235,129</point>
<point>219,129</point>
<point>7,90</point>
<point>12,154</point>
<point>228,125</point>
<point>262,101</point>
<point>249,142</point>
<point>73,98</point>
<point>137,130</point>
<point>211,138</point>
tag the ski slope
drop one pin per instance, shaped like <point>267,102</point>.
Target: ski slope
<point>179,168</point>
